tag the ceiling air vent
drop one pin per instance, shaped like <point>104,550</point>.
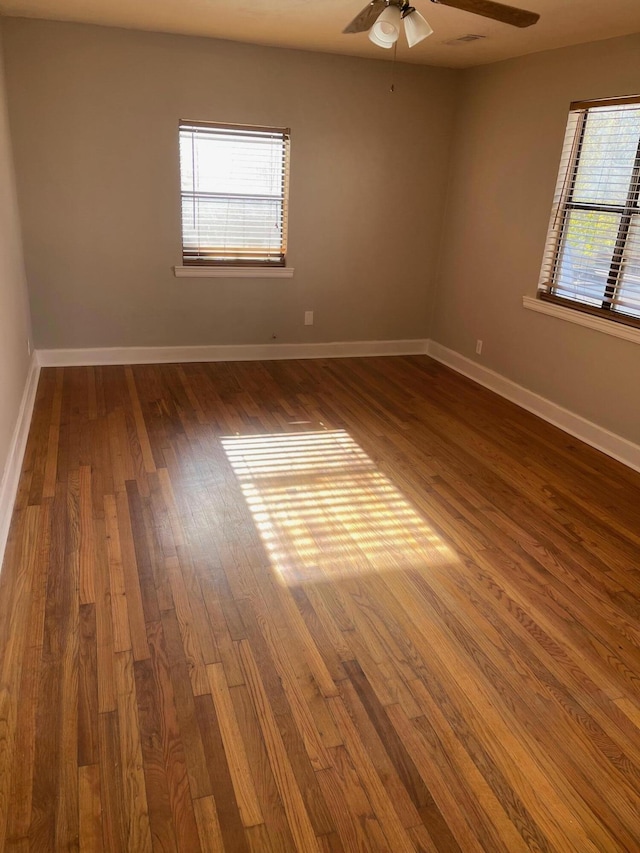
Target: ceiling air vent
<point>465,39</point>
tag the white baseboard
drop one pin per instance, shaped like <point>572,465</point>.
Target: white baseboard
<point>231,352</point>
<point>9,484</point>
<point>596,436</point>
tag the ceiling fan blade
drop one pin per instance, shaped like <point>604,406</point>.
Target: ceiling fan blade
<point>364,20</point>
<point>497,11</point>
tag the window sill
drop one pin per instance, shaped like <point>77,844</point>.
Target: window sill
<point>617,330</point>
<point>233,272</point>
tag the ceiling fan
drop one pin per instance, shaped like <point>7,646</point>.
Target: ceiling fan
<point>383,17</point>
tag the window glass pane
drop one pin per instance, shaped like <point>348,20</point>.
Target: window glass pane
<point>607,155</point>
<point>628,296</point>
<point>232,224</point>
<point>584,260</point>
<point>233,187</point>
<point>230,164</point>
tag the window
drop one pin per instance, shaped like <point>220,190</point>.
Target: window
<point>592,256</point>
<point>234,183</point>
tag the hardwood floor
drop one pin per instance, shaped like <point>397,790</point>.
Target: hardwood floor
<point>324,605</point>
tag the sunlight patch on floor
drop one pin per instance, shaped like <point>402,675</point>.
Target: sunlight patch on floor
<point>324,510</point>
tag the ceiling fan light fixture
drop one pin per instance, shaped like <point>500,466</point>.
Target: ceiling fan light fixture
<point>386,29</point>
<point>374,38</point>
<point>416,28</point>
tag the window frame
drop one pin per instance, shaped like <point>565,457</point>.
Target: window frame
<point>238,266</point>
<point>564,204</point>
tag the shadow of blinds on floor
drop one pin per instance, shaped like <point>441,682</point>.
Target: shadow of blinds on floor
<point>324,510</point>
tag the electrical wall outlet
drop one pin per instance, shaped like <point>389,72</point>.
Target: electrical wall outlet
<point>308,318</point>
<point>478,347</point>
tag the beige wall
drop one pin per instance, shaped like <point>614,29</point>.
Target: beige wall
<point>94,114</point>
<point>14,312</point>
<point>509,133</point>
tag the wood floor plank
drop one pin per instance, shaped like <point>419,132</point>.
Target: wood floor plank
<point>90,808</point>
<point>160,709</point>
<point>20,669</point>
<point>111,784</point>
<point>227,806</point>
<point>104,623</point>
<point>138,831</point>
<point>50,732</point>
<point>297,628</point>
<point>117,582</point>
<point>163,831</point>
<point>209,830</point>
<point>51,466</point>
<point>92,394</point>
<point>276,827</point>
<point>321,640</point>
<point>324,605</point>
<point>356,823</point>
<point>226,649</point>
<point>413,784</point>
<point>141,429</point>
<point>133,592</point>
<point>299,822</point>
<point>234,748</point>
<point>144,579</point>
<point>67,783</point>
<point>200,621</point>
<point>188,628</point>
<point>86,544</point>
<point>466,815</point>
<point>306,778</point>
<point>291,686</point>
<point>396,790</point>
<point>199,777</point>
<point>88,750</point>
<point>384,808</point>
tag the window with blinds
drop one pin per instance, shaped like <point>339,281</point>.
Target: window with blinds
<point>234,185</point>
<point>592,256</point>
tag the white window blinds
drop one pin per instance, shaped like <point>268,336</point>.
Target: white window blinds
<point>592,255</point>
<point>234,185</point>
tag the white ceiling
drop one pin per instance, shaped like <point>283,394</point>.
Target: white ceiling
<point>317,24</point>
